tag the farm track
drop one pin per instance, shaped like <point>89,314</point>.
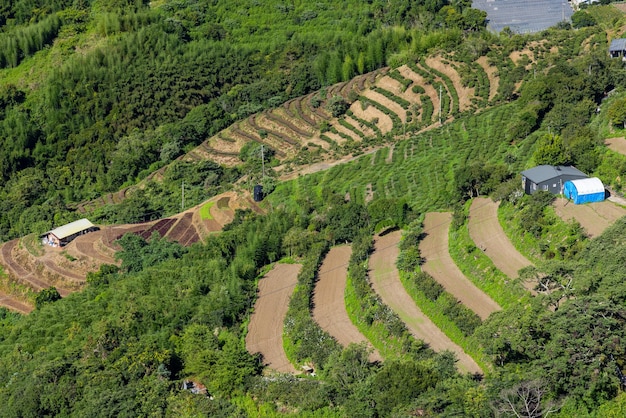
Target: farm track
<point>439,264</point>
<point>244,130</point>
<point>265,329</point>
<point>11,303</point>
<point>23,275</point>
<point>367,131</point>
<point>255,122</point>
<point>394,86</point>
<point>64,273</point>
<point>593,217</point>
<point>488,235</point>
<point>329,308</point>
<point>346,131</point>
<point>386,283</point>
<point>278,118</point>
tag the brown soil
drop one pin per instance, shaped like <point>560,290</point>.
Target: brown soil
<point>419,80</point>
<point>360,126</point>
<point>488,235</point>
<point>439,264</point>
<point>620,6</point>
<point>616,144</point>
<point>395,87</point>
<point>594,217</point>
<point>11,303</point>
<point>388,103</point>
<point>340,128</point>
<point>494,81</point>
<point>86,245</point>
<point>329,309</point>
<point>465,94</point>
<point>385,124</point>
<point>386,282</point>
<point>265,331</point>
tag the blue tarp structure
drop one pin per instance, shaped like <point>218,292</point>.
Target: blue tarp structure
<point>584,190</point>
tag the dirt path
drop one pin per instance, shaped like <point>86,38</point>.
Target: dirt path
<point>265,331</point>
<point>488,235</point>
<point>594,217</point>
<point>386,282</point>
<point>329,308</point>
<point>9,302</point>
<point>616,144</point>
<point>439,264</point>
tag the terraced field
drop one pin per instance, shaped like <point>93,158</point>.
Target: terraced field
<point>439,264</point>
<point>488,235</point>
<point>265,330</point>
<point>386,282</point>
<point>593,217</point>
<point>397,102</point>
<point>329,309</point>
<point>38,266</point>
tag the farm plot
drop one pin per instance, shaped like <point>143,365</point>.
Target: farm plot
<point>593,217</point>
<point>265,331</point>
<point>386,282</point>
<point>491,71</point>
<point>9,302</point>
<point>180,229</point>
<point>465,94</point>
<point>488,235</point>
<point>370,114</point>
<point>616,144</point>
<point>329,309</point>
<point>161,228</point>
<point>85,244</point>
<point>21,270</point>
<point>439,264</point>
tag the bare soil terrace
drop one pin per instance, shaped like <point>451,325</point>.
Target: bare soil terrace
<point>386,282</point>
<point>488,235</point>
<point>439,264</point>
<point>265,331</point>
<point>329,308</point>
<point>593,217</point>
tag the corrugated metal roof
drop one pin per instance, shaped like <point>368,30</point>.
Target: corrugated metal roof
<point>71,228</point>
<point>588,186</point>
<point>542,173</point>
<point>618,45</point>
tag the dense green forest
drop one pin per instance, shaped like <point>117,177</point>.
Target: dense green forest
<point>96,95</point>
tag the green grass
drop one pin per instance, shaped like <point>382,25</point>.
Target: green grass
<point>33,245</point>
<point>205,211</point>
<point>376,334</point>
<point>423,169</point>
<point>434,312</point>
<point>481,271</point>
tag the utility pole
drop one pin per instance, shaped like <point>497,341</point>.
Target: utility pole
<point>440,104</point>
<point>182,201</point>
<point>263,163</point>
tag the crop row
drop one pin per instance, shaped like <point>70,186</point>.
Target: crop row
<point>391,96</point>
